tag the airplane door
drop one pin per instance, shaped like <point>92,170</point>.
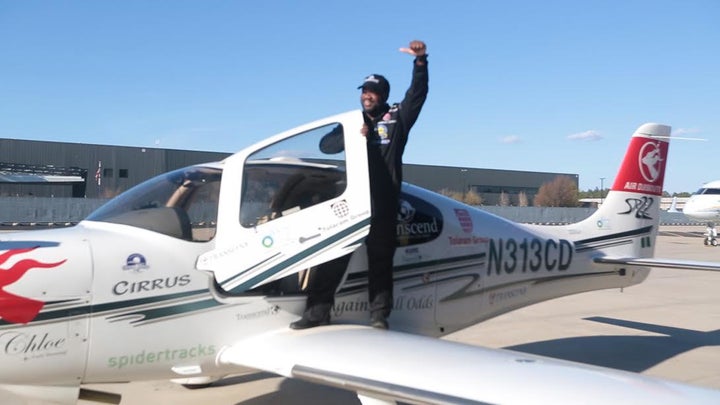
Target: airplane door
<point>291,202</point>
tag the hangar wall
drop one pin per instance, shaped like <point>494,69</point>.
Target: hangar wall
<point>121,167</point>
<point>488,183</point>
<point>118,167</point>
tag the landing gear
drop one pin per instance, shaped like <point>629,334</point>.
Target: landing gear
<point>711,236</point>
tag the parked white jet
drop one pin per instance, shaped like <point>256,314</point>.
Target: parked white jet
<point>196,274</point>
<point>704,205</point>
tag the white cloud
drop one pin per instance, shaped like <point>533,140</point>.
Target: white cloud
<point>510,139</point>
<point>590,135</point>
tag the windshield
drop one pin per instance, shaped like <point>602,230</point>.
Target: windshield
<point>182,204</point>
<point>708,190</point>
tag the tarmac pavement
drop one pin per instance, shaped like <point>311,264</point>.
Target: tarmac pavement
<point>668,326</point>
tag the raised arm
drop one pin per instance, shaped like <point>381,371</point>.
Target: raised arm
<point>417,93</point>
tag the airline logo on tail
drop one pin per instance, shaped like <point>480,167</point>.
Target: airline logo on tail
<point>651,161</point>
<point>643,169</point>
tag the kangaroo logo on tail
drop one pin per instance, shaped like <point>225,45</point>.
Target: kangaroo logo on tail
<point>643,169</point>
<point>650,161</point>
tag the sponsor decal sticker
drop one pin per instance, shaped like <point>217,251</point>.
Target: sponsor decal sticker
<point>382,132</point>
<point>401,303</point>
<point>640,206</point>
<point>412,255</point>
<point>269,311</point>
<point>136,262</point>
<point>340,209</point>
<point>31,345</point>
<point>603,223</point>
<point>330,227</point>
<point>267,241</point>
<point>407,211</point>
<point>219,254</point>
<point>499,296</point>
<point>467,240</point>
<point>161,356</point>
<point>417,222</point>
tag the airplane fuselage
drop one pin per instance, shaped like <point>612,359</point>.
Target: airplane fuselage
<point>176,276</point>
<point>122,303</point>
<point>704,205</point>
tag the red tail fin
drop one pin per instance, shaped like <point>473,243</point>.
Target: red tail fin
<point>643,169</point>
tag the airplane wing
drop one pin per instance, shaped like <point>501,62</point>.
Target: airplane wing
<point>383,366</point>
<point>659,262</point>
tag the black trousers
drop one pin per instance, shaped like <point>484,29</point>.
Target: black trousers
<point>381,243</point>
<point>322,283</point>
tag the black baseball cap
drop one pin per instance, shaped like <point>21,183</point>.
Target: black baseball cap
<point>377,84</point>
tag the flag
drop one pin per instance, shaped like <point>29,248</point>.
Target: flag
<point>98,173</point>
<point>464,219</point>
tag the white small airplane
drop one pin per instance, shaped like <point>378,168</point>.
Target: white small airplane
<point>704,205</point>
<point>196,274</point>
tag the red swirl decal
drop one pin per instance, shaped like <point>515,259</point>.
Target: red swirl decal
<point>13,308</point>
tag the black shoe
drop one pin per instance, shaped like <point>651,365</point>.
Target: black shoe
<point>378,321</point>
<point>305,323</point>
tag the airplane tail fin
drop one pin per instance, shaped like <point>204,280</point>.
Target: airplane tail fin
<point>632,206</point>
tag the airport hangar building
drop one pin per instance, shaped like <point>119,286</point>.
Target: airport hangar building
<point>61,169</point>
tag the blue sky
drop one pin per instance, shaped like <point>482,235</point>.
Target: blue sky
<point>555,86</point>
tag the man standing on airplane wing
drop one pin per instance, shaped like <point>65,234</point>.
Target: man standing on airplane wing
<point>386,129</point>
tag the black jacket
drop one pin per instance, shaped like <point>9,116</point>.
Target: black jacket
<point>386,139</point>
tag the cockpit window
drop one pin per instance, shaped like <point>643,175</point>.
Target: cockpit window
<point>293,174</point>
<point>182,204</point>
<point>708,191</point>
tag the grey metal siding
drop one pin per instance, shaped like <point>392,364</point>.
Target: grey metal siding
<point>489,183</point>
<point>140,164</point>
